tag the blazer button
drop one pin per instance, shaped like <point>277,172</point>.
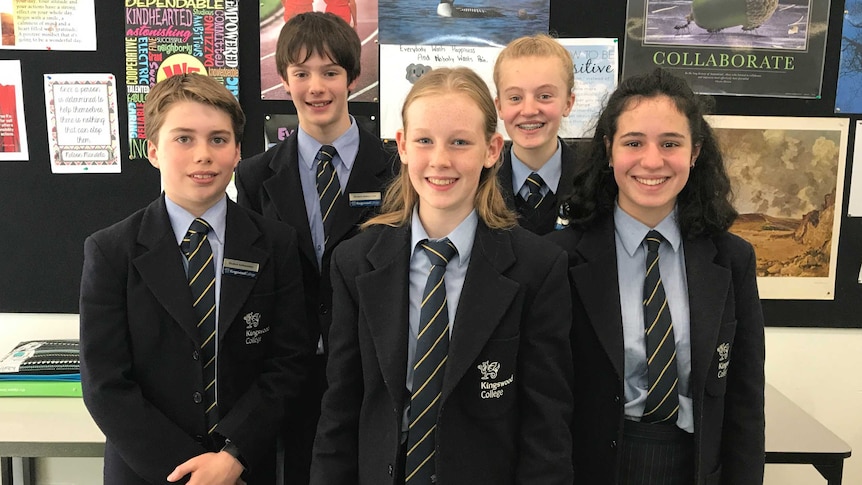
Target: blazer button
<point>613,444</point>
<point>391,470</point>
<point>197,397</point>
<point>616,399</point>
<point>195,355</point>
<point>323,309</point>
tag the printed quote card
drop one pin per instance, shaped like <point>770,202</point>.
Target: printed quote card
<point>83,134</point>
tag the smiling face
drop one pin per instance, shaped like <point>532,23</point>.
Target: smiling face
<point>319,89</point>
<point>652,153</point>
<point>444,160</point>
<point>196,152</point>
<point>532,99</point>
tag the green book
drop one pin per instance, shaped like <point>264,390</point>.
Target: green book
<point>41,388</point>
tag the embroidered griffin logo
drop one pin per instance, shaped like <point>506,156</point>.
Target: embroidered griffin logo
<point>489,369</point>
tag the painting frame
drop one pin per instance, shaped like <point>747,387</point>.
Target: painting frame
<point>767,159</point>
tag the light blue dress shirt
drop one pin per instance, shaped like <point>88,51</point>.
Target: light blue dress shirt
<point>631,261</point>
<point>347,147</point>
<point>550,172</point>
<point>420,266</point>
<point>216,217</point>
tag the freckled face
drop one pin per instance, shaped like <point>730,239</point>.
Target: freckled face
<point>444,149</point>
<point>652,154</point>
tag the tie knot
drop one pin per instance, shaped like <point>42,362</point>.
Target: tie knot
<point>534,183</point>
<point>653,240</point>
<point>197,230</point>
<point>325,153</point>
<point>439,252</point>
<point>199,226</point>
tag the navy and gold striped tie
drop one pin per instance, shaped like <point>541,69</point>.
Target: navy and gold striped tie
<point>328,188</point>
<point>662,402</point>
<point>534,184</point>
<point>432,349</point>
<point>201,276</point>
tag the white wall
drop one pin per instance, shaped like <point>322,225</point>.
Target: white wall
<point>819,369</point>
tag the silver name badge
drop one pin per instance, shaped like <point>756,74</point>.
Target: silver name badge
<point>365,199</point>
<point>235,267</point>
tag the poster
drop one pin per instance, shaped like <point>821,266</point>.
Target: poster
<point>272,18</point>
<point>13,129</point>
<point>278,127</point>
<point>48,25</point>
<point>201,38</point>
<point>596,76</point>
<point>467,22</point>
<point>788,177</point>
<point>404,64</point>
<point>854,207</point>
<point>731,47</point>
<point>848,98</point>
<point>83,134</point>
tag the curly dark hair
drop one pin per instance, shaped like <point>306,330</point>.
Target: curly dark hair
<point>703,206</point>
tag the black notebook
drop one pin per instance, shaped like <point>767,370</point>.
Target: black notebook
<point>35,357</point>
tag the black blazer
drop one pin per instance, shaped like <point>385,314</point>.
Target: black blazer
<point>140,369</point>
<point>547,220</point>
<point>514,309</point>
<point>727,388</point>
<point>269,184</point>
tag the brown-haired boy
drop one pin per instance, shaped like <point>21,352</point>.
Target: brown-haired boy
<point>192,330</point>
<point>318,58</point>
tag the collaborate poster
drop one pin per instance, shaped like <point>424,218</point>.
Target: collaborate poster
<point>48,25</point>
<point>848,98</point>
<point>731,47</point>
<point>202,38</point>
<point>787,175</point>
<point>273,15</point>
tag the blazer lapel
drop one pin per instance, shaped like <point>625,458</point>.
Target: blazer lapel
<point>567,176</point>
<point>371,171</point>
<point>161,267</point>
<point>598,287</point>
<point>708,286</point>
<point>285,191</point>
<point>505,178</point>
<point>240,235</point>
<point>474,323</point>
<point>386,311</point>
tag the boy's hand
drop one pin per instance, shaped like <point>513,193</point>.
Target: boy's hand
<point>210,469</point>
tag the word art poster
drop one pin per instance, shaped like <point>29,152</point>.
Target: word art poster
<point>168,38</point>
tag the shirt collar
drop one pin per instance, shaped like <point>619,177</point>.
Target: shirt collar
<point>631,232</point>
<point>462,236</point>
<point>181,219</point>
<point>347,146</point>
<point>550,172</point>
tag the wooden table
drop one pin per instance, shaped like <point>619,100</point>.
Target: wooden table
<point>794,436</point>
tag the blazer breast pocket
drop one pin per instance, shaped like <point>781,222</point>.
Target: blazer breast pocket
<point>722,355</point>
<point>490,383</point>
<point>254,323</point>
